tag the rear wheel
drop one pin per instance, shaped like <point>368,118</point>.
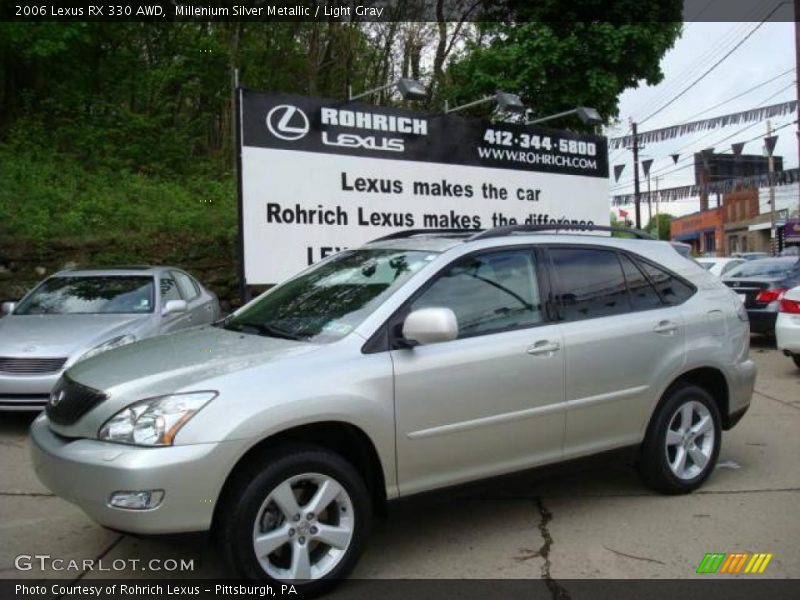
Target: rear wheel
<point>301,519</point>
<point>796,359</point>
<point>683,441</point>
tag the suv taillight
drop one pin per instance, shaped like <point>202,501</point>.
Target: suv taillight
<point>767,296</point>
<point>790,306</point>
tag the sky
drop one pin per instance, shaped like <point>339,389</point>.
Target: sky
<point>768,53</point>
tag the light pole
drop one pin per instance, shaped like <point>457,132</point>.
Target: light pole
<point>586,114</point>
<point>410,89</point>
<point>505,102</point>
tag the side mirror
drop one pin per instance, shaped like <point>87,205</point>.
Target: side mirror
<point>8,307</point>
<point>174,306</point>
<point>430,325</point>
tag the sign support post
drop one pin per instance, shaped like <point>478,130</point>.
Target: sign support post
<point>244,295</point>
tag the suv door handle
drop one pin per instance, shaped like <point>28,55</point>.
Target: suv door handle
<point>666,328</point>
<point>543,348</point>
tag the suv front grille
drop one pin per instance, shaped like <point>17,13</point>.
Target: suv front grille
<point>30,366</point>
<point>70,400</point>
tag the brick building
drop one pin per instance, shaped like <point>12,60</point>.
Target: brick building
<point>704,231</point>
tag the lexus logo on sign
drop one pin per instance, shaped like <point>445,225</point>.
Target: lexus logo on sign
<point>287,122</point>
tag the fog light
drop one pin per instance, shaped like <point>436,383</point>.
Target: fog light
<point>141,500</point>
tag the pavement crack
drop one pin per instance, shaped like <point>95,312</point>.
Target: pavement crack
<point>557,592</point>
<point>97,560</point>
<point>633,556</point>
<point>752,491</point>
<point>774,399</point>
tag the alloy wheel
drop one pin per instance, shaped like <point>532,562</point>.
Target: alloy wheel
<point>689,441</point>
<point>304,527</point>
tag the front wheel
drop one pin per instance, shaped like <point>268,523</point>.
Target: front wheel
<point>302,519</point>
<point>796,359</point>
<point>682,442</point>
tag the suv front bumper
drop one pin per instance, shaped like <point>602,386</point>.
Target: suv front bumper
<point>87,472</point>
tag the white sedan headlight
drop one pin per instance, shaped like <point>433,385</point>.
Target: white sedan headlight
<point>154,422</point>
<point>116,342</point>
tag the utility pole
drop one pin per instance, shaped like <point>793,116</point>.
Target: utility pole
<point>636,197</point>
<point>797,79</point>
<point>658,221</point>
<point>771,160</point>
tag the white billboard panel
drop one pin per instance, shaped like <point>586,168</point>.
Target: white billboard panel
<point>318,177</point>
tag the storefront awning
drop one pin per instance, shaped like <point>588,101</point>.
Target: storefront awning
<point>692,235</point>
<point>759,226</point>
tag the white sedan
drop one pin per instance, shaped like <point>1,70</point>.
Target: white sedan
<point>787,326</point>
<point>720,266</point>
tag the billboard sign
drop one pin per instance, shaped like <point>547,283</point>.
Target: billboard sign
<point>318,176</point>
<point>791,231</point>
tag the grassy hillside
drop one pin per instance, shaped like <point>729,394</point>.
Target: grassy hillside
<point>47,197</point>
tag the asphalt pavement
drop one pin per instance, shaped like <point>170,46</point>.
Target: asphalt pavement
<point>592,519</point>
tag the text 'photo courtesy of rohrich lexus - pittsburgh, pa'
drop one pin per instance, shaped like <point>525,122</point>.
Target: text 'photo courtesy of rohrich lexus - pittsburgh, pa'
<point>365,378</point>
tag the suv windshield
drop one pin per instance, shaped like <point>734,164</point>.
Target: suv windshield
<point>328,302</point>
<point>774,267</point>
<point>99,294</point>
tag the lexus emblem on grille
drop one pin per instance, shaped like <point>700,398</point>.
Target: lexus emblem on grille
<point>56,397</point>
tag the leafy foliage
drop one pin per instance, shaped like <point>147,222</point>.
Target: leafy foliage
<point>125,129</point>
<point>556,63</point>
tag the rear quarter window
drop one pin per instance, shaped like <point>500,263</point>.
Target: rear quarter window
<point>670,288</point>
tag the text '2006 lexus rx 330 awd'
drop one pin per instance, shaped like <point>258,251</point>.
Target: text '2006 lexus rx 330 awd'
<point>412,363</point>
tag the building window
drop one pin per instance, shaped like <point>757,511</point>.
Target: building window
<point>709,244</point>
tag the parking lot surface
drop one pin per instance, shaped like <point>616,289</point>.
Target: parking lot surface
<point>586,521</point>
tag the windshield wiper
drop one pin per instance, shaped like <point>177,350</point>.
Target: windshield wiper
<point>263,329</point>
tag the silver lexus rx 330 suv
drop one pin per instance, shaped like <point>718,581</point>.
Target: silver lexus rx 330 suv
<point>415,362</point>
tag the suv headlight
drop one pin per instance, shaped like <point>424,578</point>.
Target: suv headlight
<point>116,342</point>
<point>155,421</point>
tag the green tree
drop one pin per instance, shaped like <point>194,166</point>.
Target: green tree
<point>660,224</point>
<point>556,64</point>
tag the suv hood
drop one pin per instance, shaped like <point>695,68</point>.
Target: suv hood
<point>182,361</point>
<point>60,335</point>
<point>169,363</point>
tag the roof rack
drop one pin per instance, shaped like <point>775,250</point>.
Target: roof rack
<point>407,233</point>
<point>509,229</point>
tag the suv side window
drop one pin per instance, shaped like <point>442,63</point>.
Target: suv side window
<point>187,287</point>
<point>671,289</point>
<point>489,293</point>
<point>643,295</point>
<point>591,283</point>
<point>169,290</point>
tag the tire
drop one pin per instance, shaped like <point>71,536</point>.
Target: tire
<point>259,506</point>
<point>660,466</point>
<point>796,359</point>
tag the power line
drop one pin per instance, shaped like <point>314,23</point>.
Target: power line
<point>662,173</point>
<point>694,142</point>
<point>672,85</point>
<point>737,96</point>
<point>692,164</point>
<point>708,71</point>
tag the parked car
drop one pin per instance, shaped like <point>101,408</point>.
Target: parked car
<point>751,255</point>
<point>412,363</point>
<point>787,326</point>
<point>76,314</point>
<point>760,285</point>
<point>683,249</point>
<point>720,266</point>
